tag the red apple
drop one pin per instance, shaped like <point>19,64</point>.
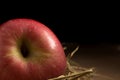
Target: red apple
<point>29,50</point>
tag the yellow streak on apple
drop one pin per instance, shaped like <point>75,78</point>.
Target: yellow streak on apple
<point>36,55</point>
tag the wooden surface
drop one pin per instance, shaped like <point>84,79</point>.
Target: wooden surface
<point>105,58</point>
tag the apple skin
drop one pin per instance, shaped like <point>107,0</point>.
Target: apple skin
<point>46,58</point>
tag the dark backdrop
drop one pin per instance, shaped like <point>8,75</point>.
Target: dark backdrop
<point>81,24</point>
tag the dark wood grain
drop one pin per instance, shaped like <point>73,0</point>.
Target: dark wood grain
<point>105,58</point>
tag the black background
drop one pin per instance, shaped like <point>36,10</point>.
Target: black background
<point>84,24</point>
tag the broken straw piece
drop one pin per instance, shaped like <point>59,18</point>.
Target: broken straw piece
<point>73,72</point>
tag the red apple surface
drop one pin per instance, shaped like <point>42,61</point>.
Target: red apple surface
<point>29,50</point>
